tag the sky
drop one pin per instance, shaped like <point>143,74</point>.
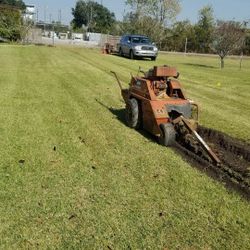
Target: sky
<point>238,10</point>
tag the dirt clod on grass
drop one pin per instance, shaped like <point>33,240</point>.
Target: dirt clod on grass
<point>72,216</point>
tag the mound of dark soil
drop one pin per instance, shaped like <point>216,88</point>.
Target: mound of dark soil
<point>235,158</point>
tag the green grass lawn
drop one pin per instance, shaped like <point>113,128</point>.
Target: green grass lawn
<point>73,175</point>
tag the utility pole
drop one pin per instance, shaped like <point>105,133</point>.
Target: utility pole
<point>53,37</point>
<point>59,15</point>
<point>89,19</point>
<point>45,15</point>
<point>241,58</point>
<point>37,13</point>
<point>186,46</point>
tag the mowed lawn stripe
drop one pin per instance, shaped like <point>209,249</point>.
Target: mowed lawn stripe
<point>90,181</point>
<point>228,88</point>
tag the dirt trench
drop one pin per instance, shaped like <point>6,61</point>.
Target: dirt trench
<point>234,154</point>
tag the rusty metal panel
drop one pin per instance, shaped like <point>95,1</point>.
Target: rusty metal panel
<point>165,71</point>
<point>175,84</point>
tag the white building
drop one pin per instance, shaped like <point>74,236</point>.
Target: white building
<point>77,36</point>
<point>29,14</point>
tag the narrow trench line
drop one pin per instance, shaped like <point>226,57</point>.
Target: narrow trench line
<point>233,173</point>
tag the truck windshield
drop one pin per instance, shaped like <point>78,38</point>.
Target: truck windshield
<point>140,40</point>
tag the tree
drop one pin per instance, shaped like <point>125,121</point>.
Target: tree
<point>228,37</point>
<point>145,25</point>
<point>10,23</point>
<point>180,33</point>
<point>246,49</point>
<point>149,17</point>
<point>93,15</point>
<point>159,10</point>
<point>204,29</point>
<point>16,3</point>
<point>10,19</point>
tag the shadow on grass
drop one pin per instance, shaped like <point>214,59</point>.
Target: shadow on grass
<point>137,58</point>
<point>120,115</point>
<point>199,65</point>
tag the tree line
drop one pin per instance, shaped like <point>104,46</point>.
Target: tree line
<point>153,18</point>
<point>156,19</point>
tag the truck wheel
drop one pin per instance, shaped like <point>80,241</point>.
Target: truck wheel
<point>167,137</point>
<point>120,52</point>
<point>153,58</point>
<point>133,113</point>
<point>131,54</point>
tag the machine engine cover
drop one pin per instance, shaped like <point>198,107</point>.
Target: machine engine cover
<point>183,109</point>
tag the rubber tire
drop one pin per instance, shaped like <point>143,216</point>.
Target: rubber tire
<point>167,137</point>
<point>133,116</point>
<point>131,55</point>
<point>153,58</point>
<point>120,52</point>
